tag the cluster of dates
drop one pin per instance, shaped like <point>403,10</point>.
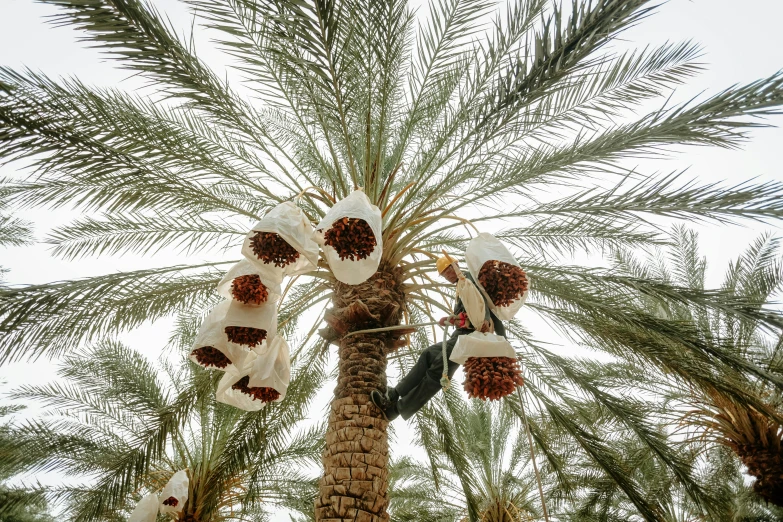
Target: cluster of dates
<point>271,248</point>
<point>503,282</point>
<point>351,238</point>
<point>258,393</point>
<point>492,378</point>
<point>249,289</point>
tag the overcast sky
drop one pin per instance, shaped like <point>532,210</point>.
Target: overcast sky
<point>742,42</point>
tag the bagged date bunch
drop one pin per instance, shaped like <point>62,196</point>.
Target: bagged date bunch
<point>175,493</point>
<point>350,234</point>
<point>146,510</point>
<point>491,377</point>
<point>351,238</point>
<point>231,332</point>
<point>490,364</point>
<point>210,349</point>
<point>231,388</point>
<point>281,243</point>
<point>271,369</point>
<point>262,379</point>
<point>246,284</point>
<point>249,326</point>
<point>498,275</point>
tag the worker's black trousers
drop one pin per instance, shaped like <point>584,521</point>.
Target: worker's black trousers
<point>423,381</point>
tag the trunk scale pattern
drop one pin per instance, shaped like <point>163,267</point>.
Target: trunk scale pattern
<point>355,482</point>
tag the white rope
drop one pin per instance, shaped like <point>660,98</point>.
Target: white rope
<point>533,455</point>
<point>444,379</point>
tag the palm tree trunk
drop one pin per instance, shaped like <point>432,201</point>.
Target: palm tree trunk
<point>354,485</point>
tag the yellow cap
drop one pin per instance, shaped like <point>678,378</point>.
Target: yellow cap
<point>444,262</point>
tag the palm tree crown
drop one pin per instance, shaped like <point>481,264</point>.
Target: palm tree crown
<point>434,121</point>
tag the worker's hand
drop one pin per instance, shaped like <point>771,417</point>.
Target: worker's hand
<point>486,327</point>
<point>462,320</point>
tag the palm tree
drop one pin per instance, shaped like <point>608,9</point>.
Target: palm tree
<point>480,471</point>
<point>754,432</point>
<point>119,428</point>
<point>714,469</point>
<point>16,504</point>
<point>435,122</point>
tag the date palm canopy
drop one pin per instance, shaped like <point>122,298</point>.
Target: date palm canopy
<point>521,117</point>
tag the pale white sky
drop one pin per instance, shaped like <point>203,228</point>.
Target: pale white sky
<point>742,42</point>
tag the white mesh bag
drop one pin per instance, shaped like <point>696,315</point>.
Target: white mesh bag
<point>227,395</point>
<point>272,367</point>
<point>287,220</point>
<point>486,247</point>
<point>233,313</point>
<point>356,205</point>
<point>247,267</point>
<point>263,317</point>
<point>175,493</point>
<point>211,334</point>
<point>146,510</point>
<point>479,344</point>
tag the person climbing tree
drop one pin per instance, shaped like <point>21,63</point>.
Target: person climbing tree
<point>423,380</point>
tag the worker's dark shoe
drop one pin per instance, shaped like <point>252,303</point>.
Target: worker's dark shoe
<point>392,395</point>
<point>391,412</point>
<point>386,402</point>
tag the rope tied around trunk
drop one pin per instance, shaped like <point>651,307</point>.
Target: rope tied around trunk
<point>388,329</point>
<point>445,382</point>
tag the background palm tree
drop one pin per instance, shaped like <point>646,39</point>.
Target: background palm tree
<point>13,231</point>
<point>754,433</point>
<point>435,122</point>
<point>17,504</point>
<point>714,468</point>
<point>480,471</point>
<point>118,428</point>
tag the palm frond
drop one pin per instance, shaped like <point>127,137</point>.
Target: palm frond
<point>14,231</point>
<point>143,234</point>
<point>52,318</point>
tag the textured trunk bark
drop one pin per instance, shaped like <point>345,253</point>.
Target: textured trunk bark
<point>354,485</point>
